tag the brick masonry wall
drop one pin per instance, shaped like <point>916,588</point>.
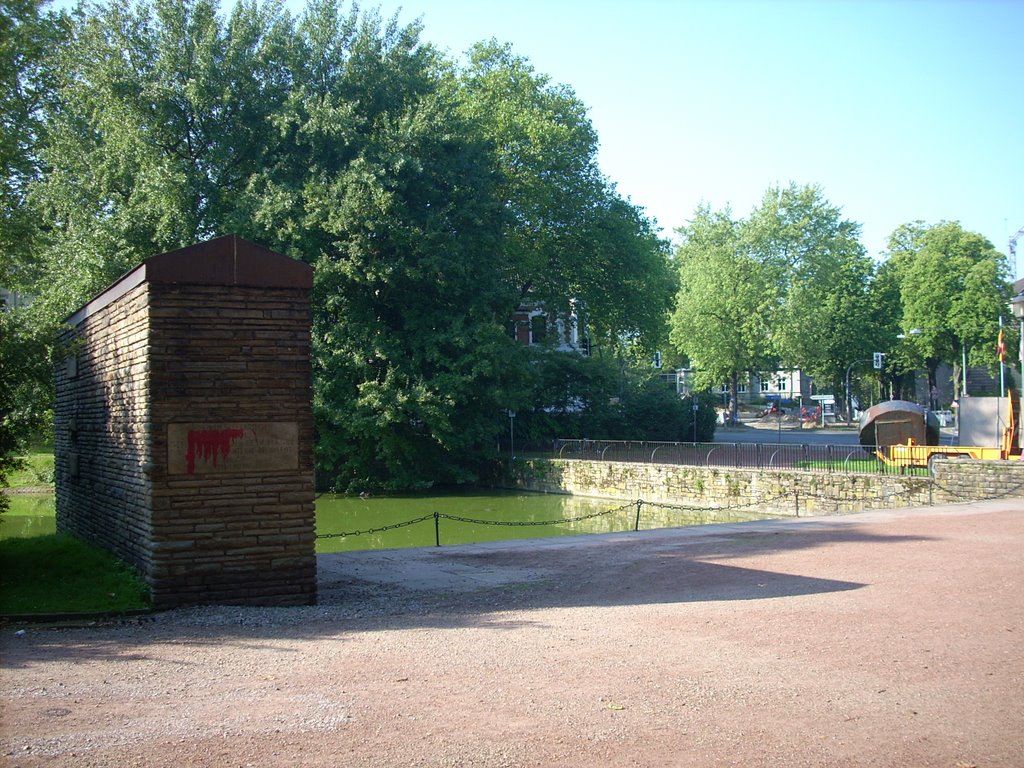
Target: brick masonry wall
<point>232,357</point>
<point>101,430</point>
<point>790,492</point>
<point>184,440</point>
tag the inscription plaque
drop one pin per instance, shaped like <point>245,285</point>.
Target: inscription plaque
<point>202,449</point>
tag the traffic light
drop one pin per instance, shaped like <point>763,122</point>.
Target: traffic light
<point>657,359</point>
<point>878,361</point>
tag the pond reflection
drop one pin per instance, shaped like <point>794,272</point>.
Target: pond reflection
<point>345,523</point>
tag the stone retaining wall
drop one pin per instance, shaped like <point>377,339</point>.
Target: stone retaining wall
<point>778,492</point>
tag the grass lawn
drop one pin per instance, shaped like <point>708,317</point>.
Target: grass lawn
<point>872,466</point>
<point>60,574</point>
<point>38,468</point>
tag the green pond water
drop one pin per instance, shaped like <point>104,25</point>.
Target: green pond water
<point>495,516</point>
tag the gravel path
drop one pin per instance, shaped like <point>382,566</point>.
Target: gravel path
<point>879,639</point>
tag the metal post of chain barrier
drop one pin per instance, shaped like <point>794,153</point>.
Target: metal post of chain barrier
<point>437,529</point>
<point>796,495</point>
<point>639,506</point>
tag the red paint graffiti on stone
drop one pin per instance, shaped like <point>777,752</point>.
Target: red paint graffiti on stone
<point>210,445</point>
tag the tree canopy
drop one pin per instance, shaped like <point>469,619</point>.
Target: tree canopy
<point>954,288</point>
<point>822,274</point>
<point>788,285</point>
<point>569,237</point>
<point>431,198</point>
<point>27,38</point>
<point>724,310</point>
<point>791,285</point>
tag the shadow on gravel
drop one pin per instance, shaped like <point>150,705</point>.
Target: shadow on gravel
<point>471,586</point>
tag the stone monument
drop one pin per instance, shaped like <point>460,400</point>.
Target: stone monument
<point>184,428</point>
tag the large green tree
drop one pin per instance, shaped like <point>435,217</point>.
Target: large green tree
<point>822,275</point>
<point>571,242</point>
<point>788,285</point>
<point>396,202</point>
<point>954,287</point>
<point>342,139</point>
<point>28,37</point>
<point>166,113</point>
<point>726,302</point>
<point>336,139</point>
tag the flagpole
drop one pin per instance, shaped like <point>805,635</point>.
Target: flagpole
<point>1002,359</point>
<point>1002,384</point>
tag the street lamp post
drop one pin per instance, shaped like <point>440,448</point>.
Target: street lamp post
<point>512,436</point>
<point>849,408</point>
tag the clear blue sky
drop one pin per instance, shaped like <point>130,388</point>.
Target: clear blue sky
<point>899,110</point>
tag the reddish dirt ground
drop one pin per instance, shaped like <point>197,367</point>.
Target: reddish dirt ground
<point>881,639</point>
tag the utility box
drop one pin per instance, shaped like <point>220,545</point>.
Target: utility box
<point>983,419</point>
<point>184,428</point>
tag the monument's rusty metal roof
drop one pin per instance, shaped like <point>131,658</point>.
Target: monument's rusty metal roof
<point>229,261</point>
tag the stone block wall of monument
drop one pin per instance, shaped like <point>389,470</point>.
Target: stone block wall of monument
<point>184,431</point>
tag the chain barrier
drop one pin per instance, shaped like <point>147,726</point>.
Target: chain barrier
<point>437,516</point>
<point>914,487</point>
<point>391,527</point>
<point>692,508</point>
<point>517,523</point>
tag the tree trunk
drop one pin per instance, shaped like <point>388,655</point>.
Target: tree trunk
<point>734,404</point>
<point>933,365</point>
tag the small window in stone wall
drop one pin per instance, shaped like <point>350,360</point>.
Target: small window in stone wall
<point>73,453</point>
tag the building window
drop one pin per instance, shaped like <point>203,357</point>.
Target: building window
<point>538,328</point>
<point>765,385</point>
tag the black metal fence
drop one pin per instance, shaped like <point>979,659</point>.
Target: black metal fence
<point>820,458</point>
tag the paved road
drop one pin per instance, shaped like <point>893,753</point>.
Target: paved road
<point>788,435</point>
